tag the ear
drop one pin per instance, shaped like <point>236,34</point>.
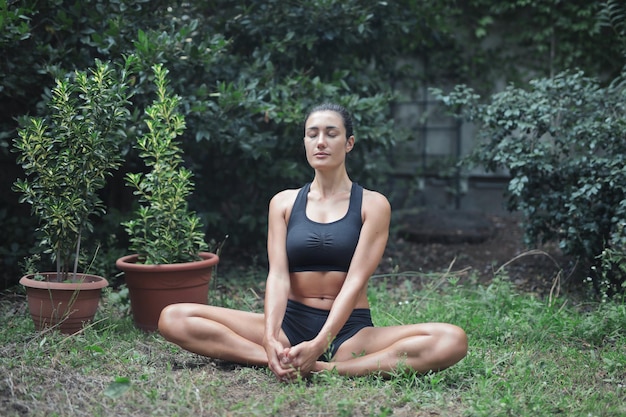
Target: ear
<point>350,144</point>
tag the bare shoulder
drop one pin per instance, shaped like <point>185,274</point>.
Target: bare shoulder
<point>375,204</point>
<point>375,199</point>
<point>282,202</point>
<point>285,197</point>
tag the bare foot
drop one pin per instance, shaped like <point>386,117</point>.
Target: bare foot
<point>322,366</point>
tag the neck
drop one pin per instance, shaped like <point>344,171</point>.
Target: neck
<point>328,185</point>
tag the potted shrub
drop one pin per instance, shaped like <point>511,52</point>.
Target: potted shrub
<point>170,262</point>
<point>66,158</point>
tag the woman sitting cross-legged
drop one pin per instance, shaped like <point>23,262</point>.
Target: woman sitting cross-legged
<point>324,242</point>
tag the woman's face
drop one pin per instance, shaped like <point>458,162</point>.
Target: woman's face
<point>325,139</point>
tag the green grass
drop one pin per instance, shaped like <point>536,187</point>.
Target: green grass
<point>527,357</point>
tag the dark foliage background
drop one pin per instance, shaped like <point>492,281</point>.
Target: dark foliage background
<point>247,71</point>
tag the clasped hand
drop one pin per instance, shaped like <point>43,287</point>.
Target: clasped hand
<point>290,363</point>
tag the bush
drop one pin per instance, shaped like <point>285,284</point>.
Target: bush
<point>562,141</point>
<point>69,155</point>
<point>246,80</point>
<point>164,230</point>
<point>243,96</point>
<point>247,72</point>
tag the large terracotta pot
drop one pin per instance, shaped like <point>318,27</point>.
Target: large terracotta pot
<point>153,287</point>
<point>68,305</point>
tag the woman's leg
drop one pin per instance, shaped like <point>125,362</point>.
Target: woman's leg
<point>421,347</point>
<point>215,332</point>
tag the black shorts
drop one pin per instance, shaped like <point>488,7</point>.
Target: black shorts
<point>302,323</point>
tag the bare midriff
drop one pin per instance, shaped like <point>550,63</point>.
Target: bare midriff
<point>319,289</point>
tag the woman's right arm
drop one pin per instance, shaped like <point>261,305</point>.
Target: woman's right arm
<point>278,284</point>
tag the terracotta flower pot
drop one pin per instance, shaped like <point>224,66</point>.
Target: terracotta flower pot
<point>68,305</point>
<point>153,287</point>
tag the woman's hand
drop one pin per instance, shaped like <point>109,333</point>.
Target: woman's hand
<point>302,358</point>
<point>277,360</point>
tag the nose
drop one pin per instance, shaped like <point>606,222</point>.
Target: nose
<point>321,140</point>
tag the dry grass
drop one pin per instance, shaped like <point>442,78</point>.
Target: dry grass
<point>527,357</point>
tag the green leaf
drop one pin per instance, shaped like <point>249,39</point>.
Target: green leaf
<point>118,387</point>
<point>94,348</point>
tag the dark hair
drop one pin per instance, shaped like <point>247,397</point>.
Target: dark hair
<point>345,115</point>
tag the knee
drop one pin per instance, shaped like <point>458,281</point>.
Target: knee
<point>456,342</point>
<point>171,322</point>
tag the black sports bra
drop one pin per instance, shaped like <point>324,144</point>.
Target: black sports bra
<point>313,246</point>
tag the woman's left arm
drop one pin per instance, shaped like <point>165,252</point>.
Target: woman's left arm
<point>376,214</point>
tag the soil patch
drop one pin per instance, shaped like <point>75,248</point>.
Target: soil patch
<point>479,245</point>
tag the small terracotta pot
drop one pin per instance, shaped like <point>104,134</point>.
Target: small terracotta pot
<point>153,287</point>
<point>68,305</point>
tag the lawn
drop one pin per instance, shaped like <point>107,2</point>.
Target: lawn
<point>527,357</point>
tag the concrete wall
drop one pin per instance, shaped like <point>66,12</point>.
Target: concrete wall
<point>425,167</point>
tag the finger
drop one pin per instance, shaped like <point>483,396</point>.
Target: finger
<point>281,377</point>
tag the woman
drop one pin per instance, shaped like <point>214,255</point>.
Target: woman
<point>324,242</point>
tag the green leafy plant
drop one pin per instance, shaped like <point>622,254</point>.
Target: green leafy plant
<point>612,263</point>
<point>68,156</point>
<point>164,230</point>
<point>562,141</point>
<point>247,71</point>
